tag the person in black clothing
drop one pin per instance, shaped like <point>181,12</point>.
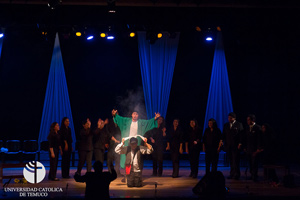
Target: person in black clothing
<point>253,145</point>
<point>211,145</point>
<point>100,140</point>
<point>97,183</point>
<point>115,138</point>
<point>232,133</point>
<point>54,148</point>
<point>156,138</point>
<point>85,147</point>
<point>175,140</point>
<point>269,154</point>
<point>66,145</point>
<point>193,147</point>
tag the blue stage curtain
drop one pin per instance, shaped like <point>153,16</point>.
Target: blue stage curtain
<point>57,103</point>
<point>1,44</point>
<point>219,102</point>
<point>157,62</point>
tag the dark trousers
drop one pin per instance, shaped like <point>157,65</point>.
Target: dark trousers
<point>134,179</point>
<point>253,164</point>
<point>194,160</point>
<point>234,159</point>
<point>158,157</point>
<point>175,162</point>
<point>53,165</point>
<point>85,156</point>
<point>111,157</point>
<point>65,163</point>
<point>99,155</point>
<point>211,158</point>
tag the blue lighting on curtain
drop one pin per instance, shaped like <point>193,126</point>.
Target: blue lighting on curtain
<point>1,44</point>
<point>57,103</point>
<point>157,62</point>
<point>219,102</point>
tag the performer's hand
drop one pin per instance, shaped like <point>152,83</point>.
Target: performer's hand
<point>114,112</point>
<point>218,150</point>
<point>61,153</point>
<point>195,142</point>
<point>106,121</point>
<point>152,140</point>
<point>106,146</point>
<point>187,150</point>
<point>157,115</point>
<point>145,140</point>
<point>89,122</point>
<point>117,141</point>
<point>168,148</point>
<point>123,140</point>
<point>99,123</point>
<point>164,132</point>
<point>180,150</point>
<point>239,146</point>
<point>66,147</point>
<point>52,155</point>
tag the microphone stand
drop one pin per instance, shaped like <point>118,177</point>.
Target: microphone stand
<point>5,185</point>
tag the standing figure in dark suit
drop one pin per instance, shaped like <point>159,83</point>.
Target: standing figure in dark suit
<point>85,147</point>
<point>66,145</point>
<point>232,133</point>
<point>175,140</point>
<point>100,140</point>
<point>194,146</point>
<point>115,139</point>
<point>156,137</point>
<point>253,145</point>
<point>211,145</point>
<point>54,148</point>
<point>97,183</point>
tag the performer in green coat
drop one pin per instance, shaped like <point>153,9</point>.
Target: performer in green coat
<point>131,127</point>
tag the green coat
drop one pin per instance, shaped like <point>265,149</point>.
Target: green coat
<point>124,124</point>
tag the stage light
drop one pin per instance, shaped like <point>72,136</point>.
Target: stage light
<point>1,35</point>
<point>159,35</point>
<point>110,37</point>
<point>208,38</point>
<point>90,37</point>
<point>54,3</point>
<point>198,28</point>
<point>78,34</point>
<point>132,34</point>
<point>111,4</point>
<point>102,35</point>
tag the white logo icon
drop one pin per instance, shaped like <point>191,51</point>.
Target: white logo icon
<point>34,172</point>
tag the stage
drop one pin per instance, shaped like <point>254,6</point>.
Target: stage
<point>167,187</point>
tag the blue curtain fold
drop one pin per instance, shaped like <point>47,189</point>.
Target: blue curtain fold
<point>57,102</point>
<point>157,62</point>
<point>219,102</point>
<point>1,44</point>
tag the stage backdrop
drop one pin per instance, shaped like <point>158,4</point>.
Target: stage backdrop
<point>157,62</point>
<point>219,102</point>
<point>57,103</point>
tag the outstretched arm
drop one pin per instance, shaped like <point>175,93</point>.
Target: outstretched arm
<point>120,148</point>
<point>157,115</point>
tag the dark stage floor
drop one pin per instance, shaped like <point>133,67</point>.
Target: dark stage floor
<point>167,187</point>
